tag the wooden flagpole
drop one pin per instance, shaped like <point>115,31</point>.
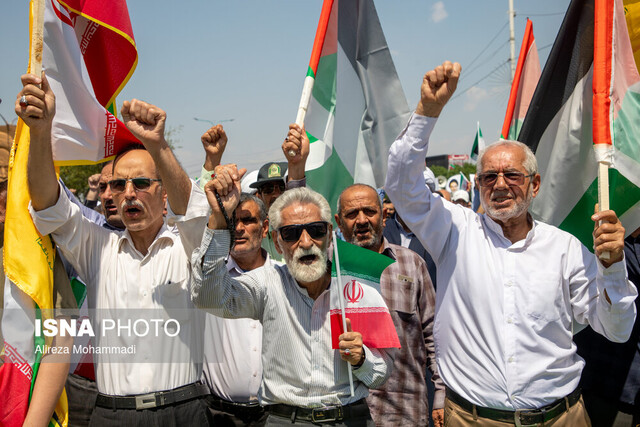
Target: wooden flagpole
<point>336,259</point>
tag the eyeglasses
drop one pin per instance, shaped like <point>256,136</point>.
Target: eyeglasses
<point>510,178</point>
<point>139,184</point>
<point>102,187</point>
<point>271,187</point>
<point>292,233</point>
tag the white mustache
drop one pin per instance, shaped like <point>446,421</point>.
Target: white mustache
<point>130,203</point>
<point>299,252</point>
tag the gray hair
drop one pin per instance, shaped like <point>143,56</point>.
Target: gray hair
<point>298,195</point>
<point>339,204</point>
<point>262,209</point>
<point>530,163</point>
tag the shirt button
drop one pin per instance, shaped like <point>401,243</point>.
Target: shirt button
<point>509,320</point>
<point>511,360</point>
<point>509,283</point>
<point>146,390</point>
<point>144,294</point>
<point>255,348</point>
<point>255,374</point>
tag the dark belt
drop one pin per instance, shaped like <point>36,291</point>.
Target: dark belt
<point>153,400</point>
<point>325,414</point>
<point>239,409</point>
<point>521,417</point>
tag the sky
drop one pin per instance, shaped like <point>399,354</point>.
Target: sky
<point>241,63</point>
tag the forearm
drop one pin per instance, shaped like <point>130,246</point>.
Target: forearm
<point>211,161</point>
<point>50,381</point>
<point>296,171</point>
<point>175,180</point>
<point>41,174</point>
<point>213,290</point>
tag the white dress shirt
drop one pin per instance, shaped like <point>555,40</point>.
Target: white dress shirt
<point>127,285</point>
<point>504,310</point>
<point>233,352</point>
<point>299,366</point>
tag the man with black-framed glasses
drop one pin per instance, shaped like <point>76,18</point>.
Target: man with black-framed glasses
<point>304,381</point>
<point>509,287</point>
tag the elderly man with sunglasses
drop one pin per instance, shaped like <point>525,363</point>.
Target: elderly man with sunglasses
<point>304,381</point>
<point>509,287</point>
<point>138,276</point>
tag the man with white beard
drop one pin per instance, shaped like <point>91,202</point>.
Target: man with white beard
<point>509,287</point>
<point>304,380</point>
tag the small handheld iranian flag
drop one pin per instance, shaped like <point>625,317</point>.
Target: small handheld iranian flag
<point>355,285</point>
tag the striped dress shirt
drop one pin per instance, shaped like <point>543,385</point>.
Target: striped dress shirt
<point>299,366</point>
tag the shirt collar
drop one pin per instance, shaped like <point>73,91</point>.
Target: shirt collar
<point>497,229</point>
<point>164,233</point>
<point>387,249</point>
<point>233,265</point>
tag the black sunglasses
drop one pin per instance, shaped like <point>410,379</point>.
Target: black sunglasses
<point>511,178</point>
<point>102,187</point>
<point>292,233</point>
<point>139,184</point>
<point>271,187</point>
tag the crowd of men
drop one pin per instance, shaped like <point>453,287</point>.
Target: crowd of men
<point>484,304</point>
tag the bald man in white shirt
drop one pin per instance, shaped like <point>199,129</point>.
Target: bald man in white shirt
<point>509,287</point>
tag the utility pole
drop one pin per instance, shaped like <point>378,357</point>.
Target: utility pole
<point>512,39</point>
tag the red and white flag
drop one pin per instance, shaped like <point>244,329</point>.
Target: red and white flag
<point>359,290</point>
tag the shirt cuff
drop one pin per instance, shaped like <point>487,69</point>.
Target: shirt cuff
<point>367,368</point>
<point>197,207</point>
<point>205,176</point>
<point>296,183</point>
<point>50,219</point>
<point>614,281</point>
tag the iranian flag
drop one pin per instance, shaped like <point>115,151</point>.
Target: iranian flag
<point>87,49</point>
<point>355,286</point>
<point>478,143</point>
<point>89,55</point>
<point>580,102</point>
<point>523,86</point>
<point>357,105</point>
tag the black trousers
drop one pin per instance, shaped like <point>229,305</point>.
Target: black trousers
<point>81,397</point>
<point>190,413</point>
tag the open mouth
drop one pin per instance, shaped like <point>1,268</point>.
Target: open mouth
<point>307,259</point>
<point>132,211</point>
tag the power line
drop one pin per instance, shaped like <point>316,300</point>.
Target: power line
<point>489,58</point>
<point>480,80</point>
<point>489,44</point>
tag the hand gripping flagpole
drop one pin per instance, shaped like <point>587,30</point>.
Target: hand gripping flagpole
<point>603,82</point>
<point>310,79</point>
<point>336,259</point>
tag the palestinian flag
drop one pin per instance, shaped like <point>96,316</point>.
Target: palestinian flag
<point>357,105</point>
<point>89,55</point>
<point>478,143</point>
<point>579,103</point>
<point>360,271</point>
<point>524,84</point>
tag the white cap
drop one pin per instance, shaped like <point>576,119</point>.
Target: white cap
<point>460,195</point>
<point>248,179</point>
